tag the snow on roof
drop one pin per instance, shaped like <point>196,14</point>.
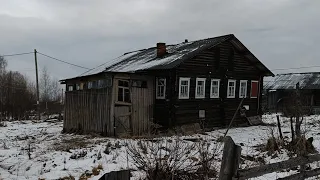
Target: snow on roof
<point>289,81</point>
<point>102,67</point>
<point>147,58</point>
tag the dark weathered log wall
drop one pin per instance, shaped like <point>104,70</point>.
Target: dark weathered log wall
<point>221,62</point>
<point>88,111</point>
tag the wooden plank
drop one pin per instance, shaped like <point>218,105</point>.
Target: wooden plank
<point>116,175</point>
<point>269,168</point>
<point>227,170</point>
<point>254,120</point>
<point>302,175</point>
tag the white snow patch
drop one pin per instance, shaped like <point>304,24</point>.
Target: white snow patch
<point>50,149</point>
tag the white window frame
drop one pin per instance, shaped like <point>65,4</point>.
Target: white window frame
<point>70,88</point>
<point>211,95</point>
<point>188,87</point>
<point>234,91</point>
<point>197,96</point>
<point>257,89</point>
<point>161,86</point>
<point>246,88</point>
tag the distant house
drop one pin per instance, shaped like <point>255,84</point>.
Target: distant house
<point>201,81</point>
<point>278,90</point>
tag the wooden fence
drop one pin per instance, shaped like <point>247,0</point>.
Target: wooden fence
<point>230,165</point>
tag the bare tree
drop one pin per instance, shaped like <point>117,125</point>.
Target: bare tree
<point>49,87</point>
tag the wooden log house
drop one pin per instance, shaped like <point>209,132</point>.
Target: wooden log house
<point>200,81</point>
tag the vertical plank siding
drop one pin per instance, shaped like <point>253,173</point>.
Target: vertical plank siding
<point>87,111</point>
<point>137,115</point>
<point>142,107</point>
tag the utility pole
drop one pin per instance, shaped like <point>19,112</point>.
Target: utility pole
<point>37,81</point>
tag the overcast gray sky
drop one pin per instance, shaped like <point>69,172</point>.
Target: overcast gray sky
<point>281,33</point>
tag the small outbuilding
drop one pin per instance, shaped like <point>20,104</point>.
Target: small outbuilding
<point>278,91</point>
<point>191,82</point>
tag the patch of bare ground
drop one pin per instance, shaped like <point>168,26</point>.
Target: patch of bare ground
<point>67,144</point>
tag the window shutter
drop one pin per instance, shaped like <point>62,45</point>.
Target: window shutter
<point>254,89</point>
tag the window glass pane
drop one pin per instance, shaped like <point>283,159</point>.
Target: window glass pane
<point>184,83</point>
<point>120,83</point>
<point>120,94</point>
<point>89,85</point>
<point>214,83</point>
<point>70,88</point>
<point>126,95</point>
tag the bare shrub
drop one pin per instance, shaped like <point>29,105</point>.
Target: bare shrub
<point>107,149</point>
<point>78,155</point>
<point>301,146</point>
<point>165,160</point>
<point>206,160</point>
<point>3,124</point>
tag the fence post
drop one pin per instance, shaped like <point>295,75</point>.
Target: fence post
<point>230,159</point>
<point>279,127</point>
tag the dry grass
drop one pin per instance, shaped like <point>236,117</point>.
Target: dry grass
<point>71,143</point>
<point>100,166</point>
<point>96,171</point>
<point>70,177</point>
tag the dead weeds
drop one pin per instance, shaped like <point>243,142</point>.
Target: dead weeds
<point>71,143</point>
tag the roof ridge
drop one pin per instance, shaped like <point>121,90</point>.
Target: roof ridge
<point>227,35</point>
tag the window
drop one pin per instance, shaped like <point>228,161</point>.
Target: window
<point>70,87</point>
<point>200,87</point>
<point>139,84</point>
<point>243,89</point>
<point>254,89</point>
<point>77,87</point>
<point>81,86</point>
<point>214,89</point>
<point>231,92</point>
<point>123,91</point>
<point>103,83</point>
<point>161,88</point>
<point>90,85</point>
<point>184,87</point>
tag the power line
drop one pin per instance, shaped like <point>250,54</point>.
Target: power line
<point>305,67</point>
<point>63,61</point>
<point>18,54</point>
<point>102,64</point>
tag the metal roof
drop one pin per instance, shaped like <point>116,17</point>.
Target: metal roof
<point>288,81</point>
<point>147,59</point>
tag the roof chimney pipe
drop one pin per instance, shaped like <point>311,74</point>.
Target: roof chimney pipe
<point>186,40</point>
<point>161,49</point>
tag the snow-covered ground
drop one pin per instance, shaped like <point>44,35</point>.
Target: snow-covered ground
<point>52,154</point>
